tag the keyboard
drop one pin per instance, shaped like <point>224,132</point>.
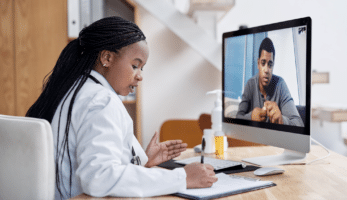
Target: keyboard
<point>217,164</point>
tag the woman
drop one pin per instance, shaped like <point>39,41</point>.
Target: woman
<point>95,148</point>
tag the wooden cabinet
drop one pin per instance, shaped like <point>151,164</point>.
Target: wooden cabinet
<point>7,58</point>
<point>32,35</point>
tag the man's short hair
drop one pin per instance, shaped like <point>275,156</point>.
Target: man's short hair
<point>268,46</point>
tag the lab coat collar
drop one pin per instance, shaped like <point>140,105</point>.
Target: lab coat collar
<point>102,80</point>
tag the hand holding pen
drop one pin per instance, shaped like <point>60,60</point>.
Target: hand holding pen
<point>200,175</point>
<point>203,144</point>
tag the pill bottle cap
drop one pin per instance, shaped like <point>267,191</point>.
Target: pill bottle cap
<point>208,132</point>
<point>219,133</point>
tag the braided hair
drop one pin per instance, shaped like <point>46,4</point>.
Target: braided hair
<point>71,71</point>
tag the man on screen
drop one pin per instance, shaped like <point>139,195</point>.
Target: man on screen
<point>266,97</point>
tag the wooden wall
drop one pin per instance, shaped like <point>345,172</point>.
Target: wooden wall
<point>32,35</point>
<point>7,79</point>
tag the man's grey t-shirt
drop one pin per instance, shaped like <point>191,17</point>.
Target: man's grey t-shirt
<point>277,91</point>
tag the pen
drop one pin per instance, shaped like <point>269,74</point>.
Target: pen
<point>203,150</point>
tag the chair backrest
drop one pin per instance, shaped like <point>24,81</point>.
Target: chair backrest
<point>186,130</point>
<point>302,112</point>
<point>26,158</point>
<point>205,122</point>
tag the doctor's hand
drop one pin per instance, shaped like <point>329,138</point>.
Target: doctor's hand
<point>200,175</point>
<point>161,152</point>
<point>259,114</point>
<point>273,112</point>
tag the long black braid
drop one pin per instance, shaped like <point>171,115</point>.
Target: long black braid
<point>71,71</point>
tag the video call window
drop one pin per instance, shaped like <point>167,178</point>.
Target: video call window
<point>265,76</point>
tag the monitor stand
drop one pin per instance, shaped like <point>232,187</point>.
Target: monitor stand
<point>287,157</point>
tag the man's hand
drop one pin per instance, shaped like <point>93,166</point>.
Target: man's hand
<point>259,115</point>
<point>161,152</point>
<point>273,112</point>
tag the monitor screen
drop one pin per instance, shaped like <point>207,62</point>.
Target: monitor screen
<point>266,78</point>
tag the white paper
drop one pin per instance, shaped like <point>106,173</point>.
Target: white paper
<point>226,184</point>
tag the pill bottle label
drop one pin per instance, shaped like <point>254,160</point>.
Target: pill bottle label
<point>219,144</point>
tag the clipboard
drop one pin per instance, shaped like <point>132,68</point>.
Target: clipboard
<point>226,185</point>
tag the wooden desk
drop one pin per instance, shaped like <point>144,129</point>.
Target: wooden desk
<point>324,179</point>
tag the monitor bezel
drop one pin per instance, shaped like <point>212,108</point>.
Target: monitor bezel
<point>265,28</point>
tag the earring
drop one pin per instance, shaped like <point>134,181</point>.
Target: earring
<point>104,65</point>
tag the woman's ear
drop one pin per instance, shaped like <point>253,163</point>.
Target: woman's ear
<point>105,58</point>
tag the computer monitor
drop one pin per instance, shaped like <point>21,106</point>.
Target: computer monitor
<point>266,82</point>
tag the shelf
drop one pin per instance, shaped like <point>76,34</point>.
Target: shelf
<point>330,114</point>
<point>320,77</point>
<point>129,102</point>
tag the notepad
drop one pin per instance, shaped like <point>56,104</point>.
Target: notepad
<point>225,186</point>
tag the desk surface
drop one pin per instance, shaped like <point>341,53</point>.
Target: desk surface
<point>324,179</point>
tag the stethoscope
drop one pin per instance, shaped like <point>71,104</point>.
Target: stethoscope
<point>136,159</point>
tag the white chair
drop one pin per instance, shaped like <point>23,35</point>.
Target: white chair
<point>26,158</point>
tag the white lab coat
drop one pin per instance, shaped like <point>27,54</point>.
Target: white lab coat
<point>100,141</point>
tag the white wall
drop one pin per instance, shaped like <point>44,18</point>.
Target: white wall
<point>329,40</point>
<point>285,66</point>
<point>175,79</point>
